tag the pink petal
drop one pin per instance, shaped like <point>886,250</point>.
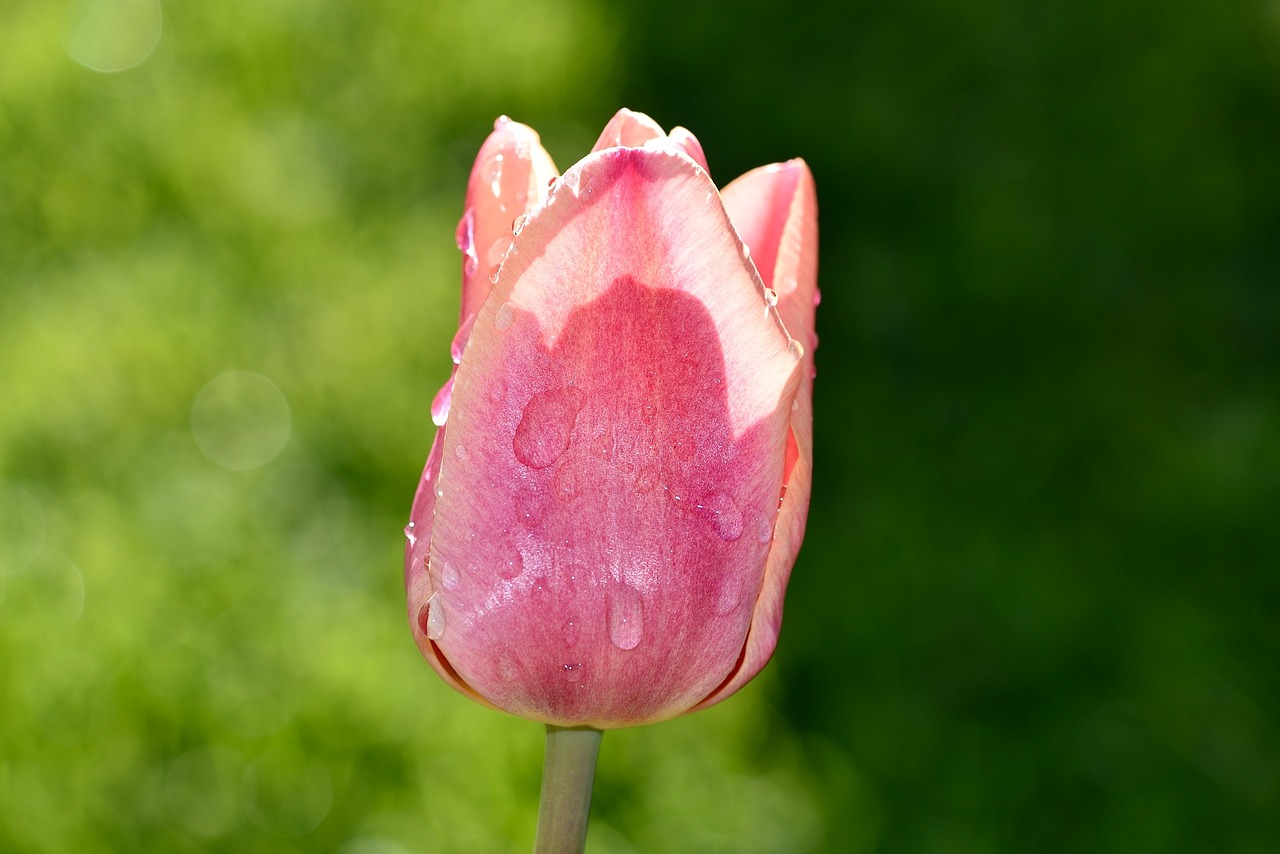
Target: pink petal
<point>508,180</point>
<point>688,143</point>
<point>630,129</point>
<point>421,580</point>
<point>615,451</point>
<point>775,211</point>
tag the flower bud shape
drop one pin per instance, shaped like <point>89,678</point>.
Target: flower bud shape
<point>617,490</point>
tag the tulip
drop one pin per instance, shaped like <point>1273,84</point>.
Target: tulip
<point>617,491</point>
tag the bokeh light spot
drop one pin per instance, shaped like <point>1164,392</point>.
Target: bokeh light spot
<point>240,420</point>
<point>112,35</point>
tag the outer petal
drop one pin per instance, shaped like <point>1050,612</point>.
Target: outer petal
<point>688,143</point>
<point>509,179</point>
<point>614,456</point>
<point>419,583</point>
<point>628,128</point>
<point>775,211</point>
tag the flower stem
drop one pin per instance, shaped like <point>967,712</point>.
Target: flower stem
<point>567,774</point>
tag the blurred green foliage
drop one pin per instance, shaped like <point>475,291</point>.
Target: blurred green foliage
<point>1038,604</point>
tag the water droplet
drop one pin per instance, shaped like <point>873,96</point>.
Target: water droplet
<point>497,391</point>
<point>795,405</point>
<point>764,530</point>
<point>573,672</point>
<point>431,617</point>
<point>460,452</point>
<point>497,251</point>
<point>720,510</point>
<point>546,426</point>
<point>439,492</point>
<point>570,181</point>
<point>512,565</point>
<point>646,479</point>
<point>449,577</point>
<point>517,224</point>
<point>730,595</point>
<point>626,616</point>
<point>465,238</point>
<point>551,182</point>
<point>570,630</point>
<point>746,251</point>
<point>409,535</point>
<point>566,482</point>
<point>500,122</point>
<point>796,349</point>
<point>602,444</point>
<point>459,342</point>
<point>503,317</point>
<point>493,273</point>
<point>771,297</point>
<point>817,298</point>
<point>495,176</point>
<point>440,404</point>
<point>684,446</point>
<point>530,506</point>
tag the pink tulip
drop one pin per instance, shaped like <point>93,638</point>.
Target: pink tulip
<point>617,492</point>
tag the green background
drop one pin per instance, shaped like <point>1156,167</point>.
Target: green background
<point>1038,608</point>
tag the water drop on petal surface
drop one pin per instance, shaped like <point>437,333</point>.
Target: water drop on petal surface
<point>546,426</point>
<point>626,616</point>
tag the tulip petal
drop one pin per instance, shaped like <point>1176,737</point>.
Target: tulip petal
<point>688,143</point>
<point>630,129</point>
<point>614,453</point>
<point>419,583</point>
<point>509,179</point>
<point>775,211</point>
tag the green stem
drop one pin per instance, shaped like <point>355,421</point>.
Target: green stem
<point>567,773</point>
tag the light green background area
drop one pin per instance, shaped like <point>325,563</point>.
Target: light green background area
<point>1038,607</point>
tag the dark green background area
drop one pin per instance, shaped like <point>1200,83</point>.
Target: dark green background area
<point>1038,606</point>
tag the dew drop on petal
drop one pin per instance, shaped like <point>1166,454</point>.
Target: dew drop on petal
<point>730,594</point>
<point>570,630</point>
<point>566,482</point>
<point>460,451</point>
<point>493,273</point>
<point>626,616</point>
<point>573,671</point>
<point>440,404</point>
<point>465,238</point>
<point>449,576</point>
<point>497,391</point>
<point>602,444</point>
<point>530,506</point>
<point>546,426</point>
<point>459,342</point>
<point>495,176</point>
<point>511,566</point>
<point>796,349</point>
<point>646,479</point>
<point>517,225</point>
<point>764,530</point>
<point>570,181</point>
<point>684,446</point>
<point>771,297</point>
<point>720,510</point>
<point>431,617</point>
<point>497,251</point>
<point>409,535</point>
<point>503,317</point>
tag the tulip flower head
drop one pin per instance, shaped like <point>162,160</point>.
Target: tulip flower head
<point>617,490</point>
